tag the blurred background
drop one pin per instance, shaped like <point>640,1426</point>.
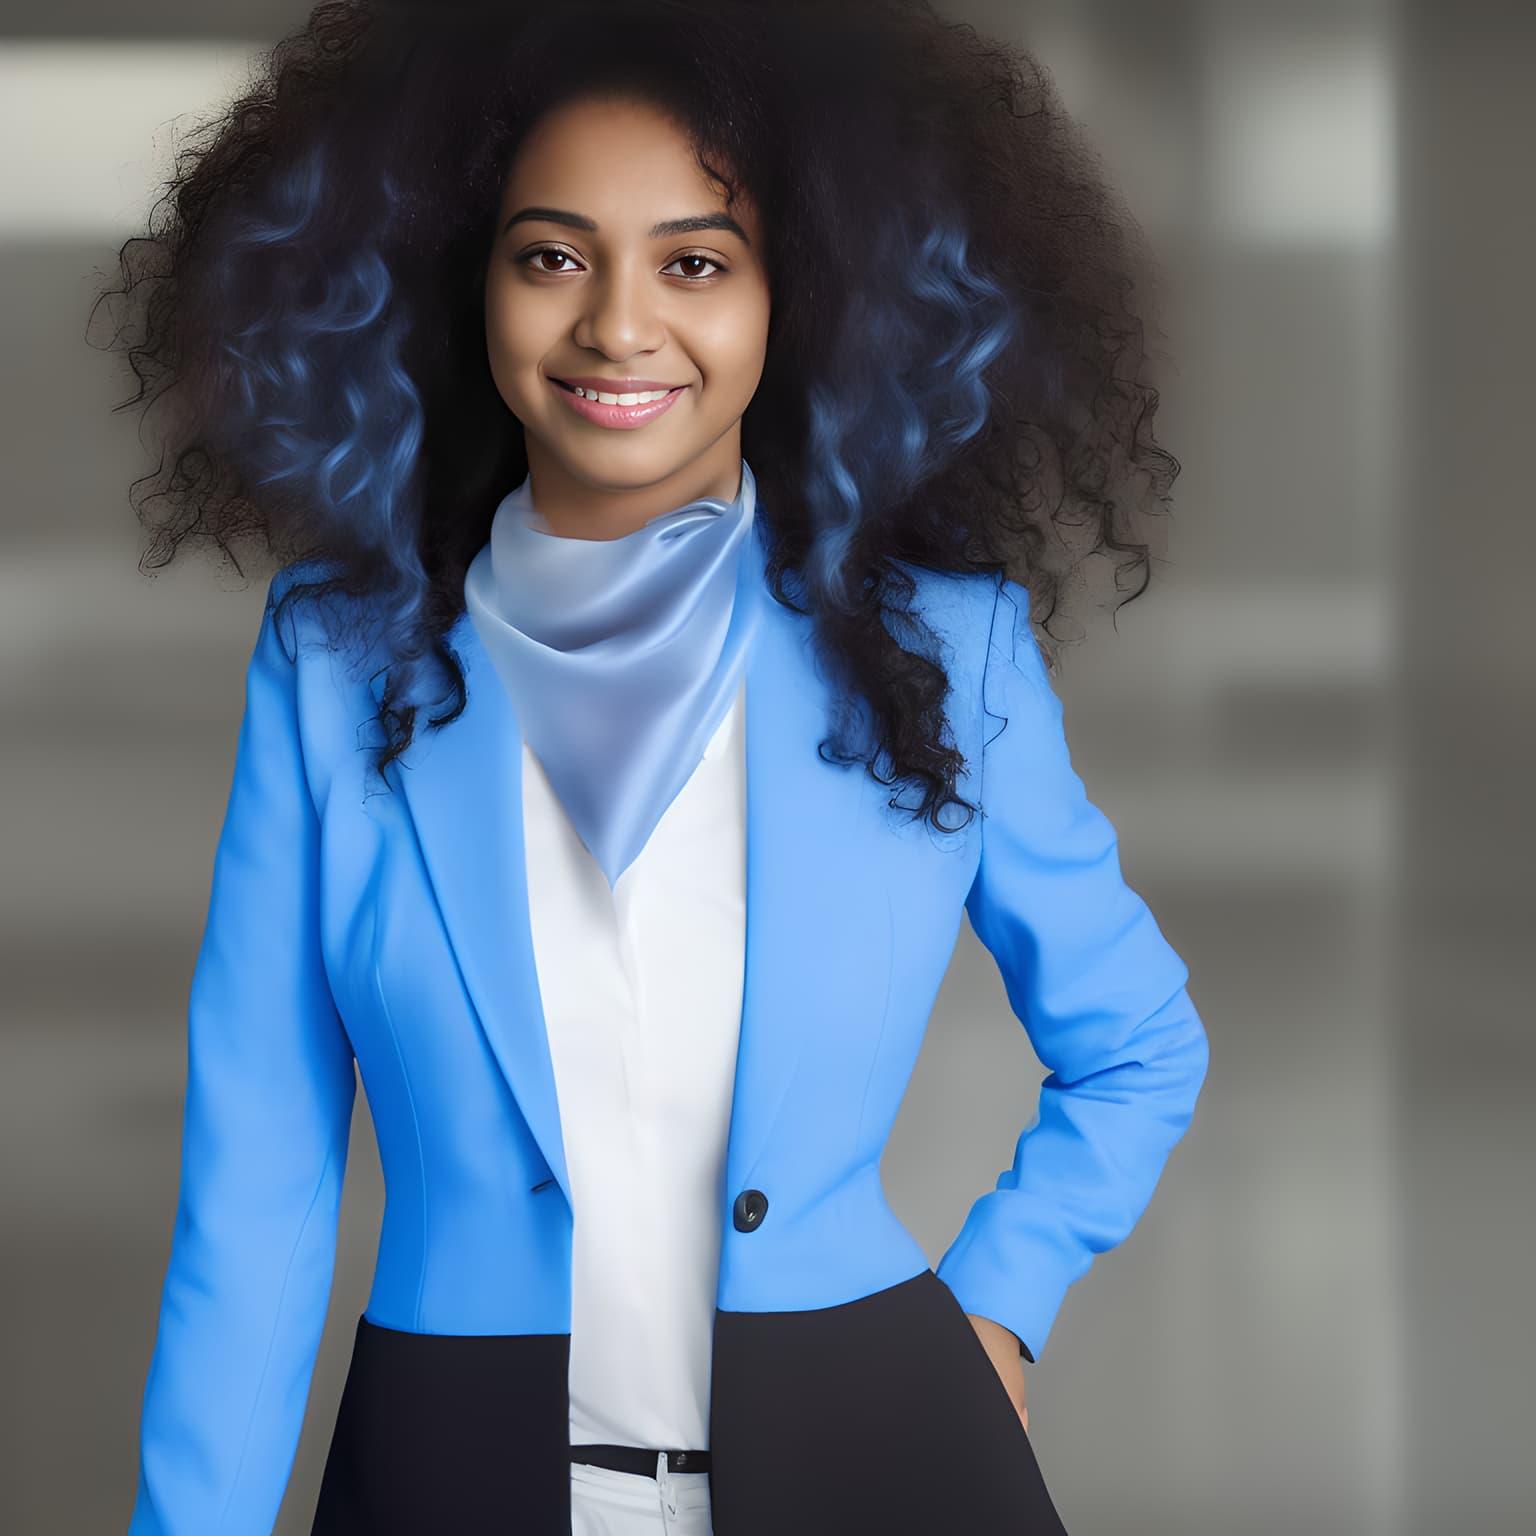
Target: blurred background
<point>1314,732</point>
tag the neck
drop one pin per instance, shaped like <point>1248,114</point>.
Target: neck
<point>582,507</point>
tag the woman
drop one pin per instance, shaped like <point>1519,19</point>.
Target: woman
<point>644,385</point>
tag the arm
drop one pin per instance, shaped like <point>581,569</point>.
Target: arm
<point>1099,990</point>
<point>268,1108</point>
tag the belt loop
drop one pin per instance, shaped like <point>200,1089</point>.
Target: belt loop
<point>664,1483</point>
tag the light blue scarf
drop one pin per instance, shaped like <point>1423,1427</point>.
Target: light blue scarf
<point>621,656</point>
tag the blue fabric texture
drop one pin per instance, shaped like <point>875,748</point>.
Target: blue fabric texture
<point>392,933</point>
<point>621,656</point>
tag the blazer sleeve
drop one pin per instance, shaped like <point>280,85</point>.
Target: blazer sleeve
<point>1100,992</point>
<point>268,1107</point>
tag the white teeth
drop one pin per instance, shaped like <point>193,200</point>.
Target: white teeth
<point>643,398</point>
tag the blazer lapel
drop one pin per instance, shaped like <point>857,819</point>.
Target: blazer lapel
<point>806,896</point>
<point>463,786</point>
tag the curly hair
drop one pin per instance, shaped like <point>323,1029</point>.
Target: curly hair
<point>953,366</point>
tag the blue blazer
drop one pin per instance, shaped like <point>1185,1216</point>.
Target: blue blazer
<point>391,930</point>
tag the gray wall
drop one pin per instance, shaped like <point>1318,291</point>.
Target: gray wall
<point>1314,734</point>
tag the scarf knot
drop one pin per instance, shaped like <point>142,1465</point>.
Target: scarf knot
<point>620,656</point>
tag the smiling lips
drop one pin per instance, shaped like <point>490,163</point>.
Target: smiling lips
<point>603,414</point>
<point>593,383</point>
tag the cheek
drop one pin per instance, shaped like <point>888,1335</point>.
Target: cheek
<point>501,319</point>
<point>735,347</point>
<point>511,341</point>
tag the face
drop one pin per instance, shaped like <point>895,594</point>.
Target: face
<point>618,265</point>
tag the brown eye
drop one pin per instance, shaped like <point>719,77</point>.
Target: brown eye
<point>708,261</point>
<point>547,250</point>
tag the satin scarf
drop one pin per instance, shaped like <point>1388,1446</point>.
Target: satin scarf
<point>620,656</point>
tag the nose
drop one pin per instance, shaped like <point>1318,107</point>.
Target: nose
<point>620,317</point>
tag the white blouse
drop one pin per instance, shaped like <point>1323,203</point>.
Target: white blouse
<point>642,991</point>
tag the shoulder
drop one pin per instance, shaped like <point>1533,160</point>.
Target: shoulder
<point>1012,633</point>
<point>331,659</point>
<point>995,660</point>
<point>309,619</point>
<point>965,612</point>
<point>298,623</point>
<point>957,604</point>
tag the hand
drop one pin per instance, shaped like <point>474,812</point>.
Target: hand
<point>1002,1347</point>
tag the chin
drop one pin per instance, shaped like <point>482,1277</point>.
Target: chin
<point>615,469</point>
<point>628,450</point>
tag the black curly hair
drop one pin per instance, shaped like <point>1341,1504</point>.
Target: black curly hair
<point>953,376</point>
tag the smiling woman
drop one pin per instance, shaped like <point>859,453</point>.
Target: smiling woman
<point>665,389</point>
<point>616,306</point>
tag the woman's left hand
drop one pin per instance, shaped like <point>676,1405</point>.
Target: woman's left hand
<point>1002,1347</point>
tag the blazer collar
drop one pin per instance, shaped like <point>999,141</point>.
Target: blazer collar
<point>807,899</point>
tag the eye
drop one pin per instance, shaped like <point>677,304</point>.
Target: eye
<point>529,258</point>
<point>546,250</point>
<point>698,256</point>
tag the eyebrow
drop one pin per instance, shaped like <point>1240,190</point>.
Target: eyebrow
<point>666,227</point>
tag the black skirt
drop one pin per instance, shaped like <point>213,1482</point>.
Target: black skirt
<point>881,1414</point>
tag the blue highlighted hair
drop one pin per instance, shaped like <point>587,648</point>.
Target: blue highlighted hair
<point>953,370</point>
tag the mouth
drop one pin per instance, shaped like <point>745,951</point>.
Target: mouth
<point>567,385</point>
<point>605,414</point>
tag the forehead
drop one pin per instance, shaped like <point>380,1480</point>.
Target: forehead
<point>603,141</point>
<point>621,160</point>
